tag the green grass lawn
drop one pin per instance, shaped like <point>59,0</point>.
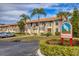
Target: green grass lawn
<point>24,37</point>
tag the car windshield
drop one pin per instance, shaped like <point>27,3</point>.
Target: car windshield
<point>8,33</point>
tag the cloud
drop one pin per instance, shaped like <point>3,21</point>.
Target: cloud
<point>13,13</point>
<point>7,18</point>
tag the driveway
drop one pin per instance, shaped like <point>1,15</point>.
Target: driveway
<point>19,48</point>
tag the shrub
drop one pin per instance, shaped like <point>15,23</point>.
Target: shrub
<point>58,50</point>
<point>57,33</point>
<point>75,34</point>
<point>43,34</point>
<point>48,34</point>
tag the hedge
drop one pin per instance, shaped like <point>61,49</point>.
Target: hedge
<point>58,50</point>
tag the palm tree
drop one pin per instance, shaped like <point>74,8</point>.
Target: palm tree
<point>24,18</point>
<point>64,15</point>
<point>38,12</point>
<point>21,26</point>
<point>60,15</point>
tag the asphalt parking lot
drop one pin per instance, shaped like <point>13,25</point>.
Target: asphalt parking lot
<point>19,48</point>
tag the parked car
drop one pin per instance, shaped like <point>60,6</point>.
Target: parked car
<point>2,35</point>
<point>6,34</point>
<point>10,34</point>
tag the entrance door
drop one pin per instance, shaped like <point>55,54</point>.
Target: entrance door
<point>49,29</point>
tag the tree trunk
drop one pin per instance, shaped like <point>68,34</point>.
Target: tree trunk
<point>25,28</point>
<point>66,18</point>
<point>39,24</point>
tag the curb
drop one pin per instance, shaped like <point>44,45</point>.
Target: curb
<point>39,53</point>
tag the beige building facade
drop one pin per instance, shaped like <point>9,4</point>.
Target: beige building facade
<point>43,25</point>
<point>9,28</point>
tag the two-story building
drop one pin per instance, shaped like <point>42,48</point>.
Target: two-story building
<point>9,28</point>
<point>42,25</point>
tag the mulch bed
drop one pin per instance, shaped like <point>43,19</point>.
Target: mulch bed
<point>66,42</point>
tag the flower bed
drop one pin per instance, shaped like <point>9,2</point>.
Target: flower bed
<point>58,49</point>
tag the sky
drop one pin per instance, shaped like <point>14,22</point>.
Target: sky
<point>10,12</point>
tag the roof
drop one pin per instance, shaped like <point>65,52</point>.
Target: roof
<point>33,21</point>
<point>8,25</point>
<point>42,20</point>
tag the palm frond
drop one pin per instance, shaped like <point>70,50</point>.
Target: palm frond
<point>24,17</point>
<point>38,11</point>
<point>34,11</point>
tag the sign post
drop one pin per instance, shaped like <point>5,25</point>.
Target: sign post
<point>62,41</point>
<point>66,32</point>
<point>71,41</point>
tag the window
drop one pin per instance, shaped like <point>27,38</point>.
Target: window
<point>36,24</point>
<point>56,29</point>
<point>56,22</point>
<point>49,23</point>
<point>31,24</point>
